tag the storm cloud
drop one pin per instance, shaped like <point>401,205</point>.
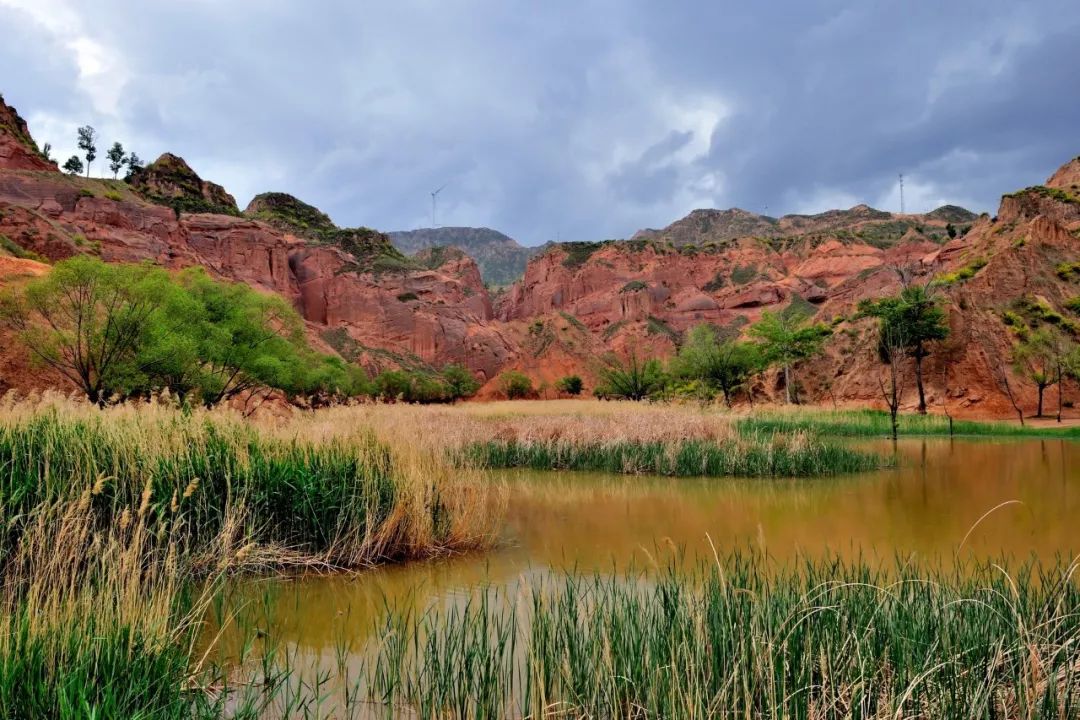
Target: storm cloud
<point>570,120</point>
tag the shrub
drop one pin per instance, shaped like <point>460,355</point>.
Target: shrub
<point>743,274</point>
<point>571,385</point>
<point>515,385</point>
<point>114,196</point>
<point>407,297</point>
<point>633,286</point>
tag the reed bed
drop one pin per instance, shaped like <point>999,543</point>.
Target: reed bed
<point>826,639</point>
<point>112,518</point>
<point>783,456</point>
<point>632,438</point>
<point>876,423</point>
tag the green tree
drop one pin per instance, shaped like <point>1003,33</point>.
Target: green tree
<point>117,158</point>
<point>247,339</point>
<point>1042,357</point>
<point>571,385</point>
<point>721,364</point>
<point>629,378</point>
<point>134,165</point>
<point>88,320</point>
<point>915,315</point>
<point>46,151</point>
<point>88,144</point>
<point>787,339</point>
<point>459,382</point>
<point>73,165</point>
<point>515,385</point>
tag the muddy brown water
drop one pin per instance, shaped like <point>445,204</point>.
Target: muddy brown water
<point>982,498</point>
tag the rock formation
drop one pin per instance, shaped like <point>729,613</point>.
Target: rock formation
<point>365,300</point>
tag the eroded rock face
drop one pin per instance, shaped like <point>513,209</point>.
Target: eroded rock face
<point>361,298</point>
<point>170,180</point>
<point>18,151</point>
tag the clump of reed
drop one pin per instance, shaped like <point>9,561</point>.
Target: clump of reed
<point>877,423</point>
<point>826,639</point>
<point>780,456</point>
<point>623,438</point>
<point>111,519</point>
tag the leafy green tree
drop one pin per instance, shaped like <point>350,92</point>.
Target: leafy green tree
<point>1043,357</point>
<point>117,158</point>
<point>571,385</point>
<point>720,364</point>
<point>392,385</point>
<point>88,144</point>
<point>915,315</point>
<point>515,385</point>
<point>134,165</point>
<point>460,382</point>
<point>73,165</point>
<point>88,320</point>
<point>46,151</point>
<point>247,339</point>
<point>788,339</point>
<point>630,378</point>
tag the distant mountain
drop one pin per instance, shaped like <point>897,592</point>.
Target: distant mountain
<point>862,222</point>
<point>500,258</point>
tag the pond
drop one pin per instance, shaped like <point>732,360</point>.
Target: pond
<point>1012,499</point>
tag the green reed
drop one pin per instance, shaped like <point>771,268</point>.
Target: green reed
<point>827,639</point>
<point>754,455</point>
<point>877,423</point>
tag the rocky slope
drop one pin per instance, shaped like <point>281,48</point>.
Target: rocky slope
<point>500,258</point>
<point>364,299</point>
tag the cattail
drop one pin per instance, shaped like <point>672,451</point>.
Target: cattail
<point>191,488</point>
<point>125,519</point>
<point>175,504</point>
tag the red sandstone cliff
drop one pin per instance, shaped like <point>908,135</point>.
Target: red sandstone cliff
<point>576,301</point>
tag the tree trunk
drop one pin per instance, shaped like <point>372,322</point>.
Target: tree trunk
<point>1042,388</point>
<point>787,383</point>
<point>1060,382</point>
<point>918,380</point>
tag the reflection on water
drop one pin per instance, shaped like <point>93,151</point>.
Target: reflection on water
<point>930,507</point>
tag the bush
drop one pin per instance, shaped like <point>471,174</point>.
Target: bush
<point>571,385</point>
<point>515,385</point>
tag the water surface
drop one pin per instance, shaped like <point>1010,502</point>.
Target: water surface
<point>978,498</point>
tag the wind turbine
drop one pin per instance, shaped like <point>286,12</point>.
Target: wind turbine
<point>434,196</point>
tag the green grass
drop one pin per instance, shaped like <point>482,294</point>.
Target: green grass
<point>755,456</point>
<point>876,423</point>
<point>306,497</point>
<point>735,638</point>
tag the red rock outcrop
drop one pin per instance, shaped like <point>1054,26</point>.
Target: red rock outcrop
<point>18,151</point>
<point>577,301</point>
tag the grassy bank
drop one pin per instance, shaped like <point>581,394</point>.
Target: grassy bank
<point>110,519</point>
<point>876,423</point>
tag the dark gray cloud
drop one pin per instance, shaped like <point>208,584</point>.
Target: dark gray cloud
<point>580,120</point>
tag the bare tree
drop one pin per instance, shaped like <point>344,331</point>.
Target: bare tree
<point>999,368</point>
<point>892,348</point>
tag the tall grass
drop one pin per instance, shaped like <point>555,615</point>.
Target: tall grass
<point>826,639</point>
<point>111,519</point>
<point>876,423</point>
<point>754,456</point>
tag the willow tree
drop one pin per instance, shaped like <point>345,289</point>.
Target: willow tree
<point>88,320</point>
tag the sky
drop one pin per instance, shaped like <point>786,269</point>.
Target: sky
<point>570,120</point>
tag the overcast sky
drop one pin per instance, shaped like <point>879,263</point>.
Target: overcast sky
<point>576,119</point>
